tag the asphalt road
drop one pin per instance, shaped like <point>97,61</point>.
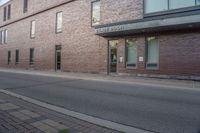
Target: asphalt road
<point>157,109</point>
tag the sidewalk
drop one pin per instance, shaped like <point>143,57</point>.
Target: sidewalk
<point>18,116</point>
<point>170,83</point>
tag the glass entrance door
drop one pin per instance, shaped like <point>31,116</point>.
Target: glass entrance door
<point>112,56</point>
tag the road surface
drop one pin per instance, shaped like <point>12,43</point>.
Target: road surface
<point>157,109</point>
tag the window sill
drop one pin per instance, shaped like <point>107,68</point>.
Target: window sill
<point>58,32</point>
<point>94,25</point>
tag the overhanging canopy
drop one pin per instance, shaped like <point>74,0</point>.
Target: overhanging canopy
<point>143,25</point>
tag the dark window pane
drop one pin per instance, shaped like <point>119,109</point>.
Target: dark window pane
<point>4,13</point>
<point>152,65</point>
<point>9,57</point>
<point>2,37</point>
<point>32,56</point>
<point>25,6</point>
<point>58,56</point>
<point>9,11</point>
<point>17,57</point>
<point>131,65</point>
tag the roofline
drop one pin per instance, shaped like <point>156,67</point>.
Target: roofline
<point>5,3</point>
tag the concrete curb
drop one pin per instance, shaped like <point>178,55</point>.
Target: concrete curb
<point>94,120</point>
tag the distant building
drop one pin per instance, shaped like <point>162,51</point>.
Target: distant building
<point>144,37</point>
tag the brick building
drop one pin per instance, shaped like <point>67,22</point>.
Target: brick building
<point>102,36</point>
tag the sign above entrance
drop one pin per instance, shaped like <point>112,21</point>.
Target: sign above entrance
<point>148,25</point>
<point>110,29</point>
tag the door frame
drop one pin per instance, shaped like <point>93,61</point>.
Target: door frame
<point>109,57</point>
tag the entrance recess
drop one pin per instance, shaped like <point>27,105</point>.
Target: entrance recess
<point>112,59</point>
<point>58,58</point>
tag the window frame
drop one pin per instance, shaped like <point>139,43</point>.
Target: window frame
<point>126,54</point>
<point>56,29</point>
<point>32,36</point>
<point>169,11</point>
<point>92,24</point>
<point>31,56</point>
<point>146,53</point>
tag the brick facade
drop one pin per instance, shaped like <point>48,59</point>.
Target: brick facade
<point>179,54</point>
<point>82,50</point>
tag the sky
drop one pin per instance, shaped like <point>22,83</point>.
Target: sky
<point>3,1</point>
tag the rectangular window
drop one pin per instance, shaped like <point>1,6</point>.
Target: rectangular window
<point>17,57</point>
<point>152,6</point>
<point>175,4</point>
<point>96,12</point>
<point>2,37</point>
<point>152,52</point>
<point>25,6</point>
<point>4,13</point>
<point>5,36</point>
<point>32,29</point>
<point>155,6</point>
<point>9,57</point>
<point>9,12</point>
<point>58,22</point>
<point>31,60</point>
<point>131,53</point>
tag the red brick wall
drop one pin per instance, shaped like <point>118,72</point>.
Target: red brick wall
<point>121,10</point>
<point>81,48</point>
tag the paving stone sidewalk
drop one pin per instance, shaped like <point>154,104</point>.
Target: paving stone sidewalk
<point>18,116</point>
